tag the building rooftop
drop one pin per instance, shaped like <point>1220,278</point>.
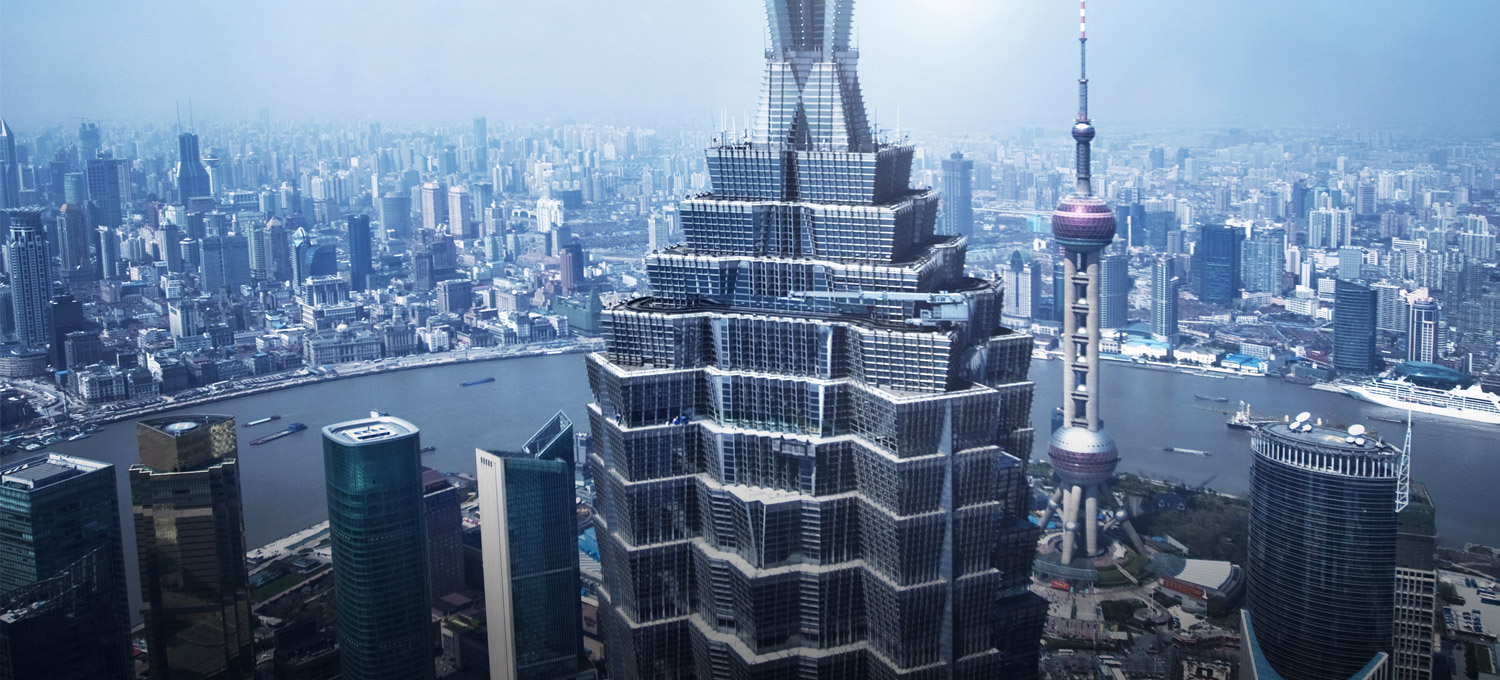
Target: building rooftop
<point>45,470</point>
<point>369,430</point>
<point>1330,440</point>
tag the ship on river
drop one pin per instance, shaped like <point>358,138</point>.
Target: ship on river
<point>1429,388</point>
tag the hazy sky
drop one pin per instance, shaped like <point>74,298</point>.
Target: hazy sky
<point>946,65</point>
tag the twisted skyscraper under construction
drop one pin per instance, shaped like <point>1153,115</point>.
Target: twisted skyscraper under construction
<point>1082,454</point>
<point>805,433</point>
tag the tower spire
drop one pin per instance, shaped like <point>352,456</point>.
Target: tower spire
<point>1083,130</point>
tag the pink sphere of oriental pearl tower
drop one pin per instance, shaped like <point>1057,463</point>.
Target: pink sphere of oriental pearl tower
<point>1082,454</point>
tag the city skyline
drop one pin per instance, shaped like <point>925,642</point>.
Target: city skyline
<point>1275,63</point>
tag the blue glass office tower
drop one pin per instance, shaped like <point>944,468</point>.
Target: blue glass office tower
<point>379,540</point>
<point>192,177</point>
<point>1322,551</point>
<point>529,534</point>
<point>958,196</point>
<point>804,436</point>
<point>360,262</point>
<point>1216,264</point>
<point>63,607</point>
<point>1354,310</point>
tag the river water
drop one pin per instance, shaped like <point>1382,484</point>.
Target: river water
<point>1145,410</point>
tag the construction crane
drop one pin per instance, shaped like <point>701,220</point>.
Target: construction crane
<point>943,307</point>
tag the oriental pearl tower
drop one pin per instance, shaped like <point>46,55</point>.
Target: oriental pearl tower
<point>1082,454</point>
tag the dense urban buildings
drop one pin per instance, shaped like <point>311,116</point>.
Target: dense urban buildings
<point>376,529</point>
<point>784,427</point>
<point>529,538</point>
<point>190,542</point>
<point>1322,550</point>
<point>63,608</point>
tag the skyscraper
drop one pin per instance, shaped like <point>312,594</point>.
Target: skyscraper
<point>109,252</point>
<point>958,196</point>
<point>29,261</point>
<point>1263,260</point>
<point>1083,455</point>
<point>443,514</point>
<point>1216,264</point>
<point>1023,287</point>
<point>190,540</point>
<point>481,144</point>
<point>570,262</point>
<point>361,262</point>
<point>787,429</point>
<point>1422,332</point>
<point>1165,287</point>
<point>1322,551</point>
<point>1328,228</point>
<point>434,205</point>
<point>1114,291</point>
<point>528,530</point>
<point>63,607</point>
<point>105,191</point>
<point>395,216</point>
<point>461,213</point>
<point>1354,308</point>
<point>192,177</point>
<point>1415,620</point>
<point>373,469</point>
<point>10,169</point>
<point>74,234</point>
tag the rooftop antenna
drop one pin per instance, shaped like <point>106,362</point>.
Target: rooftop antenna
<point>1403,467</point>
<point>191,124</point>
<point>178,103</point>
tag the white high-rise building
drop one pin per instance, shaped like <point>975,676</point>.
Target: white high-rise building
<point>549,214</point>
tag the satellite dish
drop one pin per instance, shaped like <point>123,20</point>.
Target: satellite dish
<point>1303,416</point>
<point>1356,430</point>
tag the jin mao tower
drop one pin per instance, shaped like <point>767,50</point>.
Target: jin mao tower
<point>806,432</point>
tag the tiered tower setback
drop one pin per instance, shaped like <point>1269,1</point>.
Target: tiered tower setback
<point>805,433</point>
<point>1082,453</point>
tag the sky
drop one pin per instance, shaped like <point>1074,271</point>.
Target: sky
<point>945,66</point>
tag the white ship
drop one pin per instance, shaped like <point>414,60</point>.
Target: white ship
<point>1427,388</point>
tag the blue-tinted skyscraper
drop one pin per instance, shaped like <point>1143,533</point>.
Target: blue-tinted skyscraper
<point>528,525</point>
<point>10,169</point>
<point>29,261</point>
<point>791,431</point>
<point>1216,264</point>
<point>192,177</point>
<point>63,606</point>
<point>958,196</point>
<point>378,535</point>
<point>1322,551</point>
<point>1354,310</point>
<point>1165,287</point>
<point>360,261</point>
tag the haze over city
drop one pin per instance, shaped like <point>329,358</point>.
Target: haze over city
<point>954,66</point>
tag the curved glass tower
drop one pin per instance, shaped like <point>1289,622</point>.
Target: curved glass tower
<point>804,433</point>
<point>1322,550</point>
<point>378,535</point>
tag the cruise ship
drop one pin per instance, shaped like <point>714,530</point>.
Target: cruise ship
<point>1429,388</point>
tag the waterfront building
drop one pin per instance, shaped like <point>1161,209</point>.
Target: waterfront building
<point>192,177</point>
<point>28,259</point>
<point>361,262</point>
<point>1322,551</point>
<point>190,541</point>
<point>1354,312</point>
<point>1165,290</point>
<point>529,537</point>
<point>443,514</point>
<point>1423,331</point>
<point>1083,455</point>
<point>376,531</point>
<point>1114,291</point>
<point>1391,310</point>
<point>791,432</point>
<point>958,196</point>
<point>1216,264</point>
<point>64,614</point>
